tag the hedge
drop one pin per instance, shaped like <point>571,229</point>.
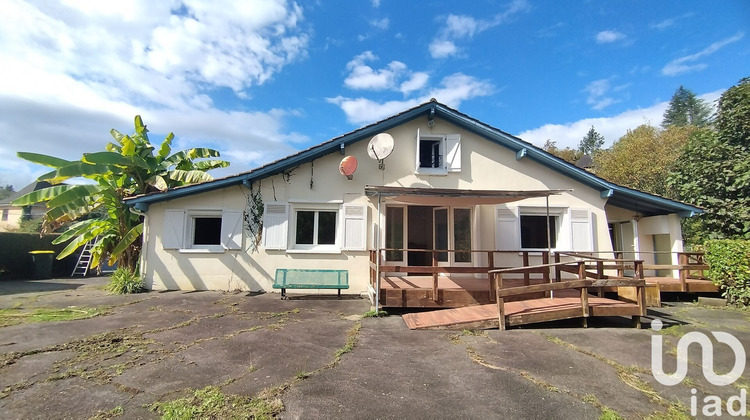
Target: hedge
<point>729,262</point>
<point>16,262</point>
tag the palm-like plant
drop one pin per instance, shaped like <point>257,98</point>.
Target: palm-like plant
<point>128,167</point>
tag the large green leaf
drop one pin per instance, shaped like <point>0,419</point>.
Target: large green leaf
<point>189,177</point>
<point>45,160</point>
<point>106,158</point>
<point>166,147</point>
<point>76,193</point>
<point>78,242</point>
<point>207,165</point>
<point>128,146</point>
<point>70,211</point>
<point>158,182</point>
<point>74,170</point>
<point>127,239</point>
<point>75,230</point>
<point>44,194</point>
<point>195,153</point>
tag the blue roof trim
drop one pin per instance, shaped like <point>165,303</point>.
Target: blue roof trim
<point>620,196</point>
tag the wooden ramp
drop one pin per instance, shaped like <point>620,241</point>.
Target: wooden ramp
<point>520,313</point>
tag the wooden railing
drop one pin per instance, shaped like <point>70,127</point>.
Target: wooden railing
<point>435,269</point>
<point>691,265</point>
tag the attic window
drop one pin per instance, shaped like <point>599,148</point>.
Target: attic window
<point>438,154</point>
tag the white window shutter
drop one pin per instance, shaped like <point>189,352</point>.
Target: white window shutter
<point>581,232</point>
<point>275,225</point>
<point>355,227</point>
<point>174,229</point>
<point>231,229</point>
<point>507,228</point>
<point>416,163</point>
<point>453,153</point>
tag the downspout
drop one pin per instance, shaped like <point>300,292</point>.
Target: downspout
<point>144,236</point>
<point>636,239</point>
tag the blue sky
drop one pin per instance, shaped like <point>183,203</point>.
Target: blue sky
<point>262,79</point>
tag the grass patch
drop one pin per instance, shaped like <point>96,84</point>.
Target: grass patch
<point>103,415</point>
<point>271,315</point>
<point>375,314</point>
<point>674,331</point>
<point>351,341</point>
<point>673,412</point>
<point>15,316</point>
<point>211,403</point>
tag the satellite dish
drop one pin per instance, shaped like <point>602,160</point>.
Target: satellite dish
<point>347,166</point>
<point>380,147</point>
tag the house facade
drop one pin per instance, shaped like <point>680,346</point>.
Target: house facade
<point>451,183</point>
<point>11,216</point>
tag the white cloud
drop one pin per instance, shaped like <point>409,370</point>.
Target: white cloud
<point>442,48</point>
<point>461,26</point>
<point>362,76</point>
<point>669,22</point>
<point>417,81</point>
<point>683,64</point>
<point>599,93</point>
<point>612,128</point>
<point>395,76</point>
<point>73,70</point>
<point>383,24</point>
<point>376,3</point>
<point>453,90</point>
<point>605,37</point>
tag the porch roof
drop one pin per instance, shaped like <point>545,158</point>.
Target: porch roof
<point>415,195</point>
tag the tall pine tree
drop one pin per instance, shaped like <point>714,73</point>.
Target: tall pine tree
<point>687,109</point>
<point>591,142</point>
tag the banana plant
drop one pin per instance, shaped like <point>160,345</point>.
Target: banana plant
<point>129,166</point>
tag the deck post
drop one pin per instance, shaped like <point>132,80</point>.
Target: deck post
<point>585,306</point>
<point>545,261</point>
<point>557,267</point>
<point>684,271</point>
<point>501,314</point>
<point>493,286</point>
<point>434,276</point>
<point>526,277</point>
<point>582,270</point>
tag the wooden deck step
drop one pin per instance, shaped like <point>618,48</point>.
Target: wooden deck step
<point>467,317</point>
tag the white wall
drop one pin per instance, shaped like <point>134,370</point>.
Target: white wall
<point>485,165</point>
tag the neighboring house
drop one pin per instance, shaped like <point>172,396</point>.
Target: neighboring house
<point>452,182</point>
<point>11,216</point>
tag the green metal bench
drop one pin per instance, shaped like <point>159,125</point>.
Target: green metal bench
<point>297,278</point>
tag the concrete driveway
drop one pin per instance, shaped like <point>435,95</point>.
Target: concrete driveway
<point>317,358</point>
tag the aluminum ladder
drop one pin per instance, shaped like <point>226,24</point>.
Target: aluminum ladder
<point>84,260</point>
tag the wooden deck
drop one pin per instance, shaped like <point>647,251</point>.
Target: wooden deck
<point>453,292</point>
<point>667,284</point>
<point>565,305</point>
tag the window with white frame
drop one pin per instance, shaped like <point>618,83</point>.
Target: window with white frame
<point>202,230</point>
<point>534,230</point>
<point>315,228</point>
<point>438,154</point>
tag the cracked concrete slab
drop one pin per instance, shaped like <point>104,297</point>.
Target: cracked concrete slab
<point>160,346</point>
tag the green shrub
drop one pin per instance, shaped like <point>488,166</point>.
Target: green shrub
<point>124,281</point>
<point>729,268</point>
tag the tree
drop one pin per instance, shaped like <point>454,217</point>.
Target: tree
<point>567,154</point>
<point>643,158</point>
<point>687,109</point>
<point>591,142</point>
<point>6,191</point>
<point>128,167</point>
<point>714,171</point>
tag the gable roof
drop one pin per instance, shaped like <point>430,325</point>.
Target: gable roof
<point>628,198</point>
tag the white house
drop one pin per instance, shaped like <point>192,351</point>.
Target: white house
<point>451,183</point>
<point>11,216</point>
